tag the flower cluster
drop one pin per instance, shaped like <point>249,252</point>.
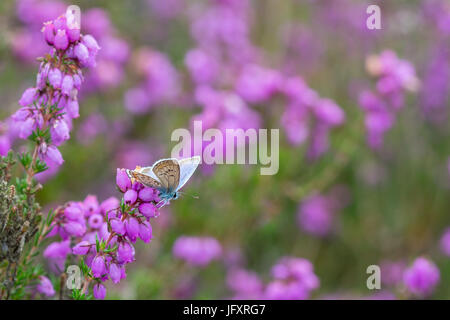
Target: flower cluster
<point>394,77</point>
<point>49,107</point>
<point>104,233</point>
<point>421,277</point>
<point>197,251</point>
<point>160,84</point>
<point>316,214</point>
<point>293,279</point>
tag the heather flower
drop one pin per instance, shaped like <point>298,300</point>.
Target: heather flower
<point>130,196</point>
<point>45,286</point>
<point>197,251</point>
<point>99,291</point>
<point>28,97</point>
<point>98,266</point>
<point>132,228</point>
<point>122,180</point>
<point>61,41</point>
<point>115,273</point>
<point>257,84</point>
<point>245,284</point>
<point>117,226</point>
<point>445,242</point>
<point>294,279</point>
<point>145,231</point>
<point>125,252</point>
<point>82,248</point>
<point>95,221</point>
<point>315,215</point>
<point>421,277</point>
<point>392,272</point>
<point>57,250</point>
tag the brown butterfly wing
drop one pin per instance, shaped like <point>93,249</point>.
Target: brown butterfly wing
<point>145,180</point>
<point>168,172</point>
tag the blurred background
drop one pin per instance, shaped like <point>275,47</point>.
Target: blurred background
<point>364,136</point>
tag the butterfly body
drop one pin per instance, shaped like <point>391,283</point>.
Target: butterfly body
<point>168,176</point>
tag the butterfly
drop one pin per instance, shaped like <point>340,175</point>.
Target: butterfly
<point>168,176</point>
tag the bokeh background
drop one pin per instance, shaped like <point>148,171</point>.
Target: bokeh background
<point>340,200</point>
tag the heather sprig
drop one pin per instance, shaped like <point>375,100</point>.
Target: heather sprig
<point>103,234</point>
<point>45,119</point>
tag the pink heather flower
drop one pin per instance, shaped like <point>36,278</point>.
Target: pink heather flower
<point>73,212</point>
<point>294,279</point>
<point>28,97</point>
<point>202,67</point>
<point>98,266</point>
<point>81,53</point>
<point>145,231</point>
<point>55,78</point>
<point>82,248</point>
<point>91,205</point>
<point>148,210</point>
<point>49,32</point>
<point>90,43</point>
<point>245,284</point>
<point>109,205</point>
<point>45,286</point>
<point>125,252</point>
<point>26,128</point>
<point>67,85</point>
<point>59,132</point>
<point>58,250</point>
<point>117,226</point>
<point>329,112</point>
<point>115,273</point>
<point>132,227</point>
<point>315,215</point>
<point>75,228</point>
<point>99,291</point>
<point>95,221</point>
<point>122,180</point>
<point>198,251</point>
<point>54,155</point>
<point>445,242</point>
<point>146,194</point>
<point>392,272</point>
<point>61,41</point>
<point>72,108</point>
<point>5,145</point>
<point>422,277</point>
<point>257,84</point>
<point>130,196</point>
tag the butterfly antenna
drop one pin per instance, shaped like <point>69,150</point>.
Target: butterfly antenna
<point>184,193</point>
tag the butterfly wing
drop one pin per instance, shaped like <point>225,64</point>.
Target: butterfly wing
<point>187,168</point>
<point>168,173</point>
<point>145,179</point>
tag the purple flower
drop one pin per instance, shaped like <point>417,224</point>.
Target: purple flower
<point>145,231</point>
<point>75,228</point>
<point>117,226</point>
<point>81,52</point>
<point>49,32</point>
<point>82,248</point>
<point>99,291</point>
<point>67,85</point>
<point>122,180</point>
<point>132,227</point>
<point>109,205</point>
<point>59,132</point>
<point>115,273</point>
<point>445,242</point>
<point>54,155</point>
<point>148,210</point>
<point>422,277</point>
<point>90,43</point>
<point>45,286</point>
<point>198,251</point>
<point>125,252</point>
<point>58,250</point>
<point>245,284</point>
<point>147,194</point>
<point>130,196</point>
<point>98,266</point>
<point>28,97</point>
<point>95,221</point>
<point>315,215</point>
<point>61,41</point>
<point>55,78</point>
